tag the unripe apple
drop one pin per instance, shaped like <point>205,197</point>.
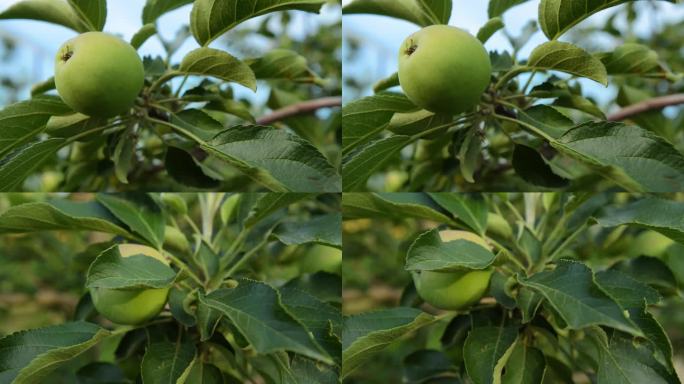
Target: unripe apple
<point>322,258</point>
<point>98,74</point>
<point>454,290</point>
<point>444,69</point>
<point>131,306</point>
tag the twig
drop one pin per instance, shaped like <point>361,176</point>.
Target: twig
<point>299,109</point>
<point>647,105</point>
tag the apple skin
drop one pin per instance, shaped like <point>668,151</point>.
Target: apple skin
<point>98,74</point>
<point>444,69</point>
<point>454,290</point>
<point>131,306</point>
<point>322,258</point>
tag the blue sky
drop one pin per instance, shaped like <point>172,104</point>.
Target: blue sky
<point>39,41</point>
<point>382,36</point>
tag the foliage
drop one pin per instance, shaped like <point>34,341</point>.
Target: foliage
<point>581,285</point>
<point>189,128</point>
<point>246,302</point>
<point>535,128</point>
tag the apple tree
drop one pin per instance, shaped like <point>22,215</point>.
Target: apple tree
<point>182,288</point>
<point>532,125</point>
<point>112,120</point>
<point>512,288</point>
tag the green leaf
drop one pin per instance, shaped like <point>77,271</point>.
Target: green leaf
<point>123,154</point>
<point>165,362</point>
<point>626,362</point>
<point>216,63</point>
<point>365,335</point>
<point>439,11</point>
<point>429,253</point>
<point>470,209</point>
<point>656,214</point>
<point>386,83</point>
<point>323,320</point>
<point>140,213</point>
<point>568,58</point>
<point>210,19</point>
<point>268,203</point>
<point>325,286</point>
<point>361,165</point>
<point>43,87</point>
<point>413,123</point>
<point>533,168</point>
<point>15,168</point>
<point>186,170</point>
<point>571,291</point>
<point>397,206</point>
<point>526,365</point>
<point>51,11</point>
<point>483,349</point>
<point>92,13</point>
<point>408,10</point>
<point>628,292</point>
<point>469,154</point>
<point>282,64</point>
<point>255,310</point>
<point>640,160</point>
<point>321,229</point>
<point>649,270</point>
<point>499,7</point>
<point>365,118</point>
<point>155,8</point>
<point>30,356</point>
<point>491,27</point>
<point>23,121</point>
<point>557,16</point>
<point>110,270</point>
<point>548,119</point>
<point>632,59</point>
<point>61,215</point>
<point>275,158</point>
<point>425,364</point>
<point>144,33</point>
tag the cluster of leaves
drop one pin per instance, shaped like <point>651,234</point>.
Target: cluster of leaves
<point>243,307</point>
<point>177,137</point>
<point>578,279</point>
<point>548,136</point>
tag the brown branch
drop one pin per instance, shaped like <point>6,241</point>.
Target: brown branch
<point>647,105</point>
<point>299,109</point>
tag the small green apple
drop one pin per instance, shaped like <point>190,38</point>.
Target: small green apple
<point>454,290</point>
<point>444,69</point>
<point>131,306</point>
<point>98,74</point>
<point>322,258</point>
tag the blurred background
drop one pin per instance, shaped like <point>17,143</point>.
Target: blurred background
<point>371,43</point>
<point>27,48</point>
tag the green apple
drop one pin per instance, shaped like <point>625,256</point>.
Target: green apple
<point>131,306</point>
<point>454,290</point>
<point>98,74</point>
<point>444,69</point>
<point>322,258</point>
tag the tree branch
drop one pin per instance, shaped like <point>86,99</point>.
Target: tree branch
<point>647,105</point>
<point>299,109</point>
